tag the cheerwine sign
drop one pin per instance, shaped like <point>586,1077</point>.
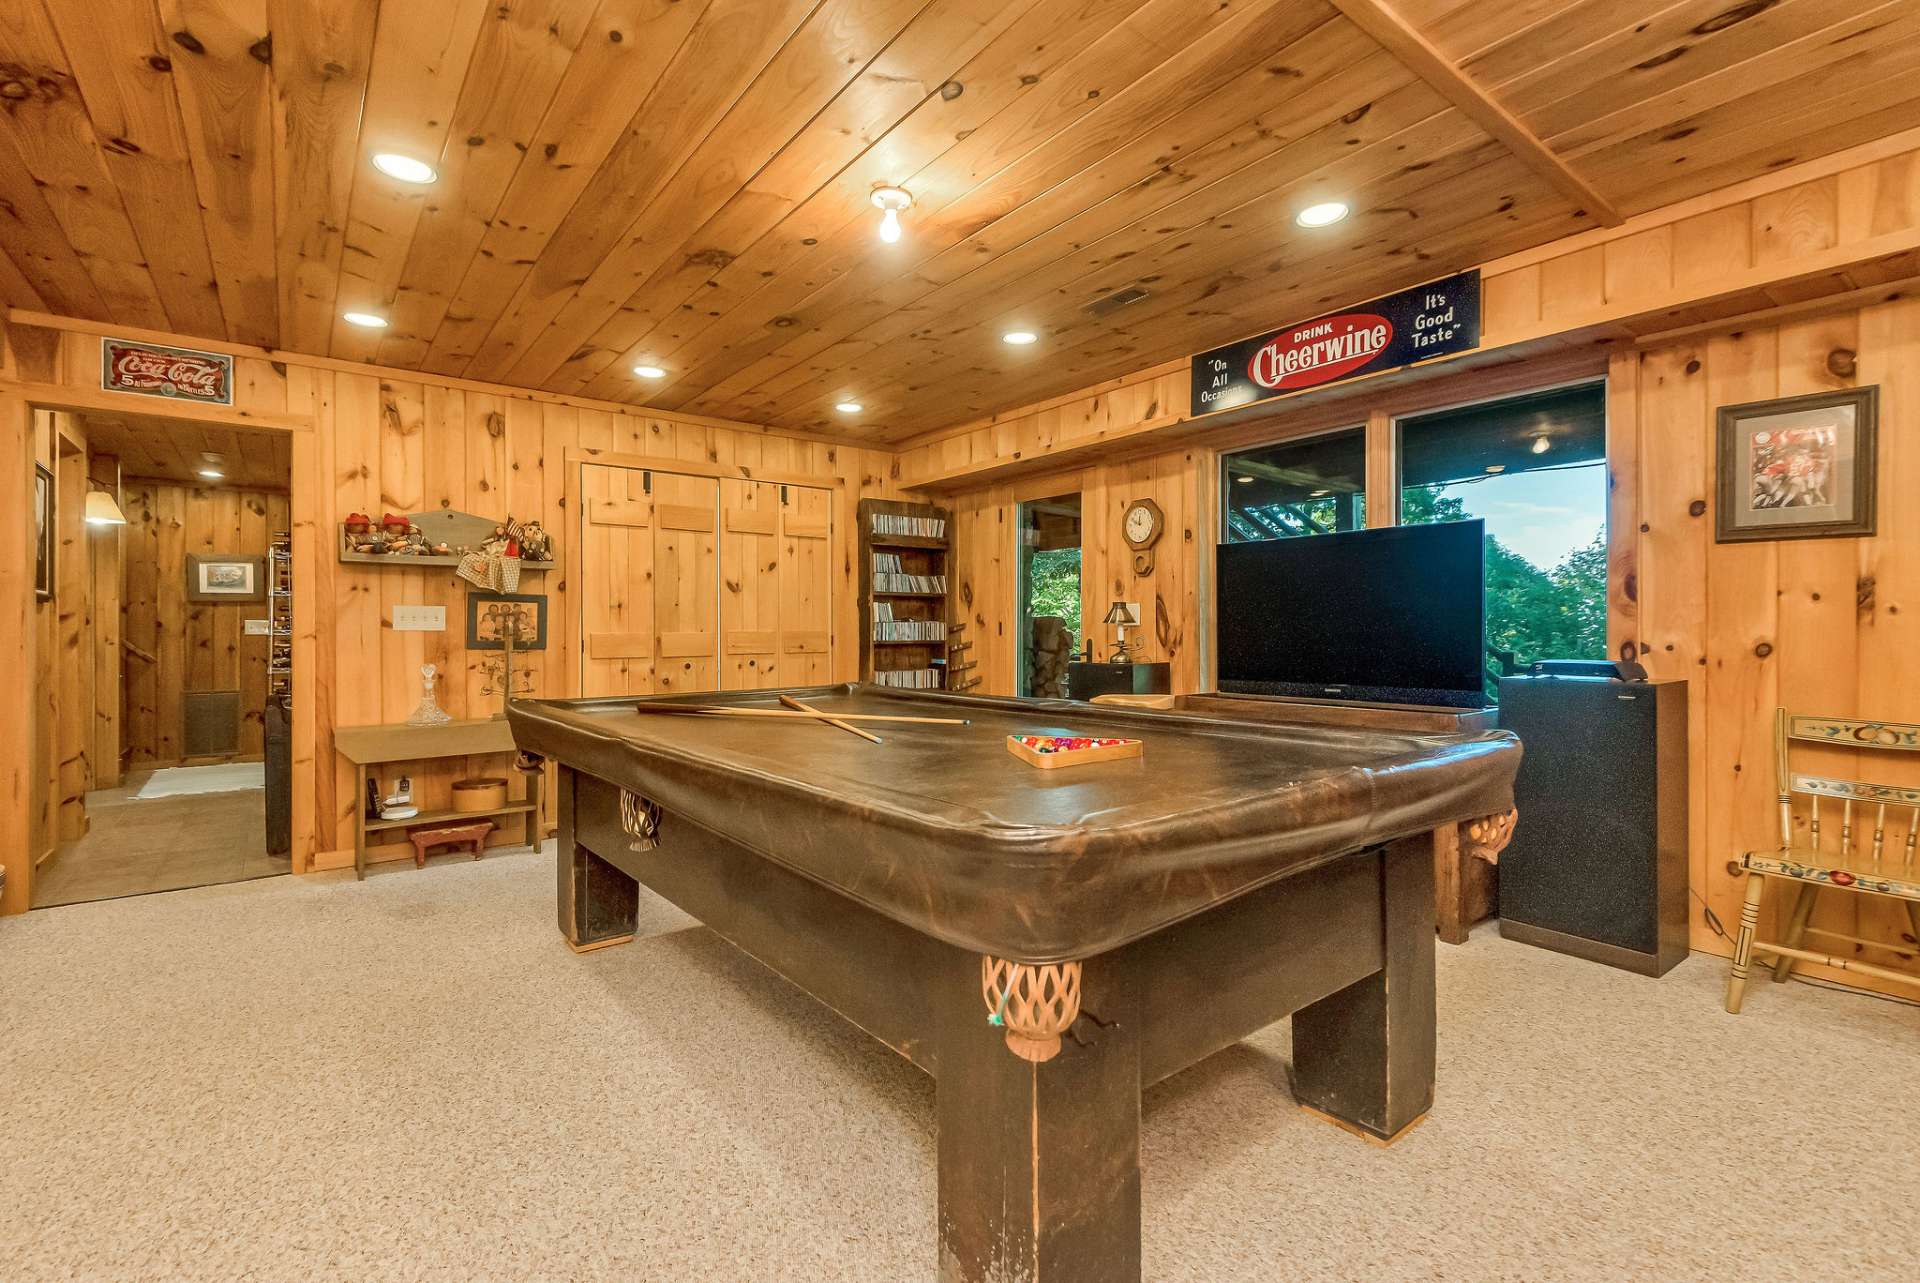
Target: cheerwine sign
<point>1413,325</point>
<point>1321,352</point>
<point>147,369</point>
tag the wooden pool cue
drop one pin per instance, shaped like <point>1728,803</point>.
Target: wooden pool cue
<point>708,710</point>
<point>846,726</point>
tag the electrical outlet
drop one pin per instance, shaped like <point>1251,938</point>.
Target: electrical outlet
<point>419,619</point>
<point>256,627</point>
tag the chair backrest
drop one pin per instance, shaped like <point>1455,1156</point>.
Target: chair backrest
<point>1849,733</point>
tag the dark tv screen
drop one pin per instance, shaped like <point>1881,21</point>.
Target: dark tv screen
<point>1393,616</point>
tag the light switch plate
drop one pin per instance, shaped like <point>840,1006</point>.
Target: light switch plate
<point>257,627</point>
<point>420,619</point>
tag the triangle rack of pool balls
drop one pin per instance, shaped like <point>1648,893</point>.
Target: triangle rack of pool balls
<point>1050,752</point>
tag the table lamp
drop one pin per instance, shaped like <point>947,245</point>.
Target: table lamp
<point>1121,614</point>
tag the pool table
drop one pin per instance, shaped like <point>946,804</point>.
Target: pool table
<point>1045,943</point>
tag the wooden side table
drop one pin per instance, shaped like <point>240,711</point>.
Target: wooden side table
<point>366,746</point>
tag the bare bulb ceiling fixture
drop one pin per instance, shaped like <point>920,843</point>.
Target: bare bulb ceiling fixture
<point>891,200</point>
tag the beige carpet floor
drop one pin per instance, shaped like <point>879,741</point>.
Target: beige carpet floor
<point>135,845</point>
<point>411,1079</point>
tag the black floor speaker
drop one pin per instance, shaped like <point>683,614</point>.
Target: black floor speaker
<point>1598,863</point>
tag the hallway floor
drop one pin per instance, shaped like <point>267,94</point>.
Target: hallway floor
<point>134,846</point>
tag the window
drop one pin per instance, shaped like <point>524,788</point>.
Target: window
<point>1535,469</point>
<point>1049,593</point>
<point>1309,486</point>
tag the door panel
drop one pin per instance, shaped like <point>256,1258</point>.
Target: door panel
<point>616,589</point>
<point>694,583</point>
<point>806,573</point>
<point>685,593</point>
<point>750,584</point>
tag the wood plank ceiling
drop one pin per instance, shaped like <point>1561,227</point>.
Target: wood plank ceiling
<point>178,452</point>
<point>687,183</point>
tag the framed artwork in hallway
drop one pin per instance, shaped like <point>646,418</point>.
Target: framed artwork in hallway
<point>218,577</point>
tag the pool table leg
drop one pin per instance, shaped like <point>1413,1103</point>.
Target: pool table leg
<point>599,905</point>
<point>1039,1164</point>
<point>1364,1056</point>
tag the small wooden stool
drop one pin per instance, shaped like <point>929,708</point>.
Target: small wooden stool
<point>474,833</point>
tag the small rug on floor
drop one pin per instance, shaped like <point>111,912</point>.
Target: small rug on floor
<point>178,781</point>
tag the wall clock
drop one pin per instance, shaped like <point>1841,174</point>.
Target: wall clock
<point>1142,527</point>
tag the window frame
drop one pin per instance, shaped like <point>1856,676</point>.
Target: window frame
<point>1396,425</point>
<point>1223,534</point>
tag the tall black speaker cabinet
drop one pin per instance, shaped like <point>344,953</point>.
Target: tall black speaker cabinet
<point>1598,863</point>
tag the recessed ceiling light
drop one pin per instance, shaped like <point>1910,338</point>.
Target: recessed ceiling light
<point>1019,338</point>
<point>365,320</point>
<point>649,371</point>
<point>1541,445</point>
<point>1319,494</point>
<point>1496,468</point>
<point>404,168</point>
<point>1243,480</point>
<point>849,407</point>
<point>1322,214</point>
<point>212,474</point>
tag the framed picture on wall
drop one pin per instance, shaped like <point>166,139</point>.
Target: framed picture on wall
<point>220,577</point>
<point>490,615</point>
<point>1798,467</point>
<point>42,532</point>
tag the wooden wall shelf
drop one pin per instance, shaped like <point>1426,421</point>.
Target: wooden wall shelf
<point>450,561</point>
<point>449,526</point>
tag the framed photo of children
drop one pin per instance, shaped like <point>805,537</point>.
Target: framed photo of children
<point>1798,467</point>
<point>492,615</point>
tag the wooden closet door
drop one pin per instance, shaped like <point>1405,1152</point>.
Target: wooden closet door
<point>750,557</point>
<point>806,574</point>
<point>616,588</point>
<point>686,610</point>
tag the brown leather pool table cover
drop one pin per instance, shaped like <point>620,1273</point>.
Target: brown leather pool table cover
<point>942,829</point>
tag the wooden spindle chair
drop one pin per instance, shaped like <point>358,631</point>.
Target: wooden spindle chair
<point>1885,867</point>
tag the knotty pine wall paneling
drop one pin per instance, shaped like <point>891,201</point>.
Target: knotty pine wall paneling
<point>373,440</point>
<point>1822,626</point>
<point>195,645</point>
<point>72,656</point>
<point>19,625</point>
<point>106,547</point>
<point>438,445</point>
<point>986,562</point>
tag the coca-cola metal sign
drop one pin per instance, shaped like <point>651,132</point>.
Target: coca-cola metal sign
<point>147,369</point>
<point>1399,329</point>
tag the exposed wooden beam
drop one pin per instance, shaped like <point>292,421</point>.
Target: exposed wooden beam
<point>1399,38</point>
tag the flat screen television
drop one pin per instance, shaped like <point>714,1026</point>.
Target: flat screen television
<point>1386,616</point>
